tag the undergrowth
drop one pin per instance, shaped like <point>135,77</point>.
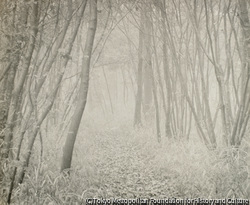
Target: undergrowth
<point>125,163</point>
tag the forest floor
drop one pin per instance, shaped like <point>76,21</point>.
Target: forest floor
<point>125,164</point>
<point>127,170</point>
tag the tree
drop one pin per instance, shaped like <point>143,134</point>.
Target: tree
<point>138,102</point>
<point>243,113</point>
<point>83,89</point>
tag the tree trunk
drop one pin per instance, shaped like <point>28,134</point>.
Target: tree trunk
<point>166,71</point>
<point>83,90</point>
<point>147,78</point>
<point>138,102</point>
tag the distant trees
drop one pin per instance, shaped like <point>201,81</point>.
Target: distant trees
<point>197,53</point>
<point>242,117</point>
<point>146,87</point>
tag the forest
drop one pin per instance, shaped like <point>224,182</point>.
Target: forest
<point>114,101</point>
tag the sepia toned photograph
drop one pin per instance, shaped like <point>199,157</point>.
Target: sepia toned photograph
<point>124,102</point>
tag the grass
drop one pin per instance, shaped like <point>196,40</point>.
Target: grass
<point>121,162</point>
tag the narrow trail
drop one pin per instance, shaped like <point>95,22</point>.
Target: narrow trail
<point>128,172</point>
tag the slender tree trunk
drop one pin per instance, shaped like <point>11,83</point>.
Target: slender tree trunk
<point>109,94</point>
<point>149,71</point>
<point>147,78</point>
<point>138,102</point>
<point>167,128</point>
<point>166,74</point>
<point>83,90</point>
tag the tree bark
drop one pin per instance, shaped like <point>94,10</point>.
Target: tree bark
<point>83,90</point>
